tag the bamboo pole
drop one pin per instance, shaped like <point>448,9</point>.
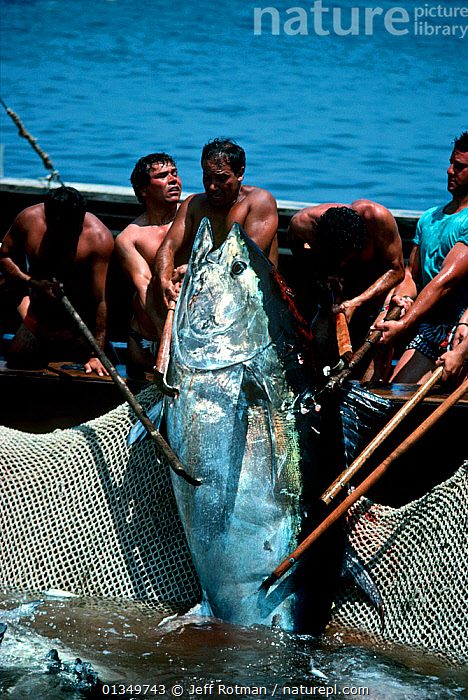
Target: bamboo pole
<point>33,142</point>
<point>372,339</point>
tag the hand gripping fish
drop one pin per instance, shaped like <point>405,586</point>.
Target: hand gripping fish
<point>242,360</point>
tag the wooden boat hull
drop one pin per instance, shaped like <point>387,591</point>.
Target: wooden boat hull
<point>57,396</point>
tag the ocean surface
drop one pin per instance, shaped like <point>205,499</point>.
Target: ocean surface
<point>329,117</point>
<point>322,116</point>
<point>131,649</point>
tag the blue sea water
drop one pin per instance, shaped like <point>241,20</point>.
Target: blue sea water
<point>100,83</point>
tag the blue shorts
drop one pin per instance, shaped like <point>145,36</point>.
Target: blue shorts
<point>430,338</point>
<point>149,347</point>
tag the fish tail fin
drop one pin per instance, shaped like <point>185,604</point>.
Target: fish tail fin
<point>353,568</point>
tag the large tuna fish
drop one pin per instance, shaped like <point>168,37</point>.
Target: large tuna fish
<point>241,359</point>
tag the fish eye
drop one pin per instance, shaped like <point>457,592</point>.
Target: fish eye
<point>238,268</point>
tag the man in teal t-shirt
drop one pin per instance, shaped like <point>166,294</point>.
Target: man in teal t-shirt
<point>439,263</point>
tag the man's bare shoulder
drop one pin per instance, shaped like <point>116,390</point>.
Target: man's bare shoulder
<point>372,211</point>
<point>131,233</point>
<point>258,194</point>
<point>137,223</point>
<point>310,215</point>
<point>31,216</point>
<point>259,199</point>
<point>98,233</point>
<point>95,224</point>
<point>303,222</point>
<point>194,202</point>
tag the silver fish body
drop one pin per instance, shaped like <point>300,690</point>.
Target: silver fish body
<point>237,425</point>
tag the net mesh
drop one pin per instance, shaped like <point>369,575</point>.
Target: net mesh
<point>81,512</point>
<point>417,556</point>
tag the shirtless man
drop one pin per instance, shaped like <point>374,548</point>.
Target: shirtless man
<point>440,261</point>
<point>157,185</point>
<point>63,245</point>
<point>226,200</point>
<point>355,254</point>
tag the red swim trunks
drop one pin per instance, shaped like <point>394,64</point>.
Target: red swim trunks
<point>42,332</point>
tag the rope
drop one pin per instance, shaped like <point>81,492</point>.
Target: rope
<point>26,135</point>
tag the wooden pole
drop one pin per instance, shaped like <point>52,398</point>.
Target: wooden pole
<point>26,135</point>
<point>161,444</point>
<point>345,349</point>
<point>348,473</point>
<point>162,361</point>
<point>371,340</point>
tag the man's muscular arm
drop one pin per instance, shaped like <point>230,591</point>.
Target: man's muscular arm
<point>168,254</point>
<point>461,330</point>
<point>132,261</point>
<point>12,248</point>
<point>407,291</point>
<point>300,231</point>
<point>453,270</point>
<point>261,223</point>
<point>453,359</point>
<point>99,266</point>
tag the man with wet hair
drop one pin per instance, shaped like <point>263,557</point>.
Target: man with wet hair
<point>351,257</point>
<point>222,149</point>
<point>48,245</point>
<point>142,173</point>
<point>341,232</point>
<point>226,200</point>
<point>65,208</point>
<point>438,266</point>
<point>157,186</point>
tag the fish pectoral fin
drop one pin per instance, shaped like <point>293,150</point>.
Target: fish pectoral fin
<point>354,569</point>
<point>138,432</point>
<point>253,388</point>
